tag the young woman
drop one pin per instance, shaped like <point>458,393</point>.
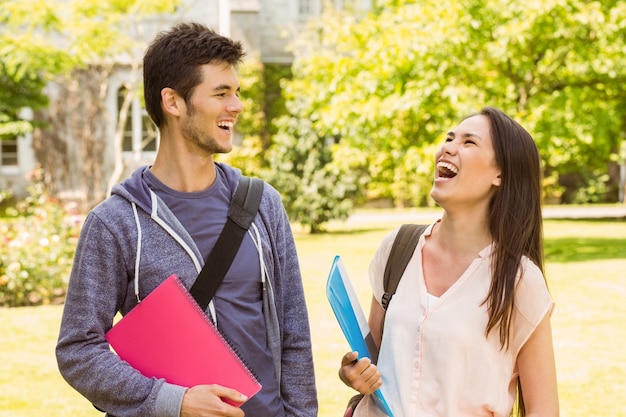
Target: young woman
<point>468,329</point>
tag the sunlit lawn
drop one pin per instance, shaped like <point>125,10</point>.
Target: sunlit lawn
<point>586,273</point>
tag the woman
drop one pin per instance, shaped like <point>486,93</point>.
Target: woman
<point>469,326</point>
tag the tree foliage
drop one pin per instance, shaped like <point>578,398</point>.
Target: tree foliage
<point>558,67</point>
<point>26,64</point>
<point>315,189</point>
<point>389,83</point>
<point>252,124</point>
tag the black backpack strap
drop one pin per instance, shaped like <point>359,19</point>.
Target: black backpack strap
<point>246,200</point>
<point>243,209</point>
<point>401,252</point>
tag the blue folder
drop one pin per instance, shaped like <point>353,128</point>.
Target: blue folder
<point>345,305</point>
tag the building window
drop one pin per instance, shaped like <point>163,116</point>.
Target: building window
<point>8,152</point>
<point>340,4</point>
<point>127,135</point>
<point>149,135</point>
<point>140,134</point>
<point>307,7</point>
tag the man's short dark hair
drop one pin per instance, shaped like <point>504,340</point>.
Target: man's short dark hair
<point>174,58</point>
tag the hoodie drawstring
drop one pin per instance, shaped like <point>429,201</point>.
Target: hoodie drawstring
<point>138,253</point>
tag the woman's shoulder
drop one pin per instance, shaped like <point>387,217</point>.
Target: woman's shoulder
<point>530,277</point>
<point>532,297</point>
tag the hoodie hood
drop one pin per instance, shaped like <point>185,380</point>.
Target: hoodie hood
<point>135,190</point>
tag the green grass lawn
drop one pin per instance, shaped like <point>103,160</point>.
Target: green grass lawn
<point>586,273</point>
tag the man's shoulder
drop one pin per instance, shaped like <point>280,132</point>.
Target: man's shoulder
<point>112,202</point>
<point>271,198</point>
<point>112,209</point>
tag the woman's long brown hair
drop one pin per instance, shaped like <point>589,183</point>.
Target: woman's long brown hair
<point>515,219</point>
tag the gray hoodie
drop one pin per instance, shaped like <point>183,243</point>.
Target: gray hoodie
<point>103,282</point>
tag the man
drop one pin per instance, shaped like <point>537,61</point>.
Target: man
<point>165,219</point>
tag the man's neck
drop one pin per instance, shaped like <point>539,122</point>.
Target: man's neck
<point>182,171</point>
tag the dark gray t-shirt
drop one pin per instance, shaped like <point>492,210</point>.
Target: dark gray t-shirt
<point>238,300</point>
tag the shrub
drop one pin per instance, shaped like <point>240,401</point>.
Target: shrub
<point>37,244</point>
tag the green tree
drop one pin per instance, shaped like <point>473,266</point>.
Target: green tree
<point>390,82</point>
<point>254,123</point>
<point>26,64</point>
<point>18,90</point>
<point>558,66</point>
<point>315,190</point>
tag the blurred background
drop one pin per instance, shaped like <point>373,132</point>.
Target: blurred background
<point>345,103</point>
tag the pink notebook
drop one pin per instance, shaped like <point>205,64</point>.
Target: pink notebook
<point>168,336</point>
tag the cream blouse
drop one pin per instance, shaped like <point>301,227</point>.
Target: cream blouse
<point>435,359</point>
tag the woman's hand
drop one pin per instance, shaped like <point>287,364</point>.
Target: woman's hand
<point>362,374</point>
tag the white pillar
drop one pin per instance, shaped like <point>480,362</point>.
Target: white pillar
<point>224,17</point>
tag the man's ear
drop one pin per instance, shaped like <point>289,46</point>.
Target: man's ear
<point>171,102</point>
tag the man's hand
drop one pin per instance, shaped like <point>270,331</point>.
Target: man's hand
<point>362,375</point>
<point>206,401</point>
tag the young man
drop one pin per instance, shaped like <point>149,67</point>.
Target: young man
<point>165,219</point>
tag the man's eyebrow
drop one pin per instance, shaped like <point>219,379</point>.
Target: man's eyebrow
<point>225,87</point>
